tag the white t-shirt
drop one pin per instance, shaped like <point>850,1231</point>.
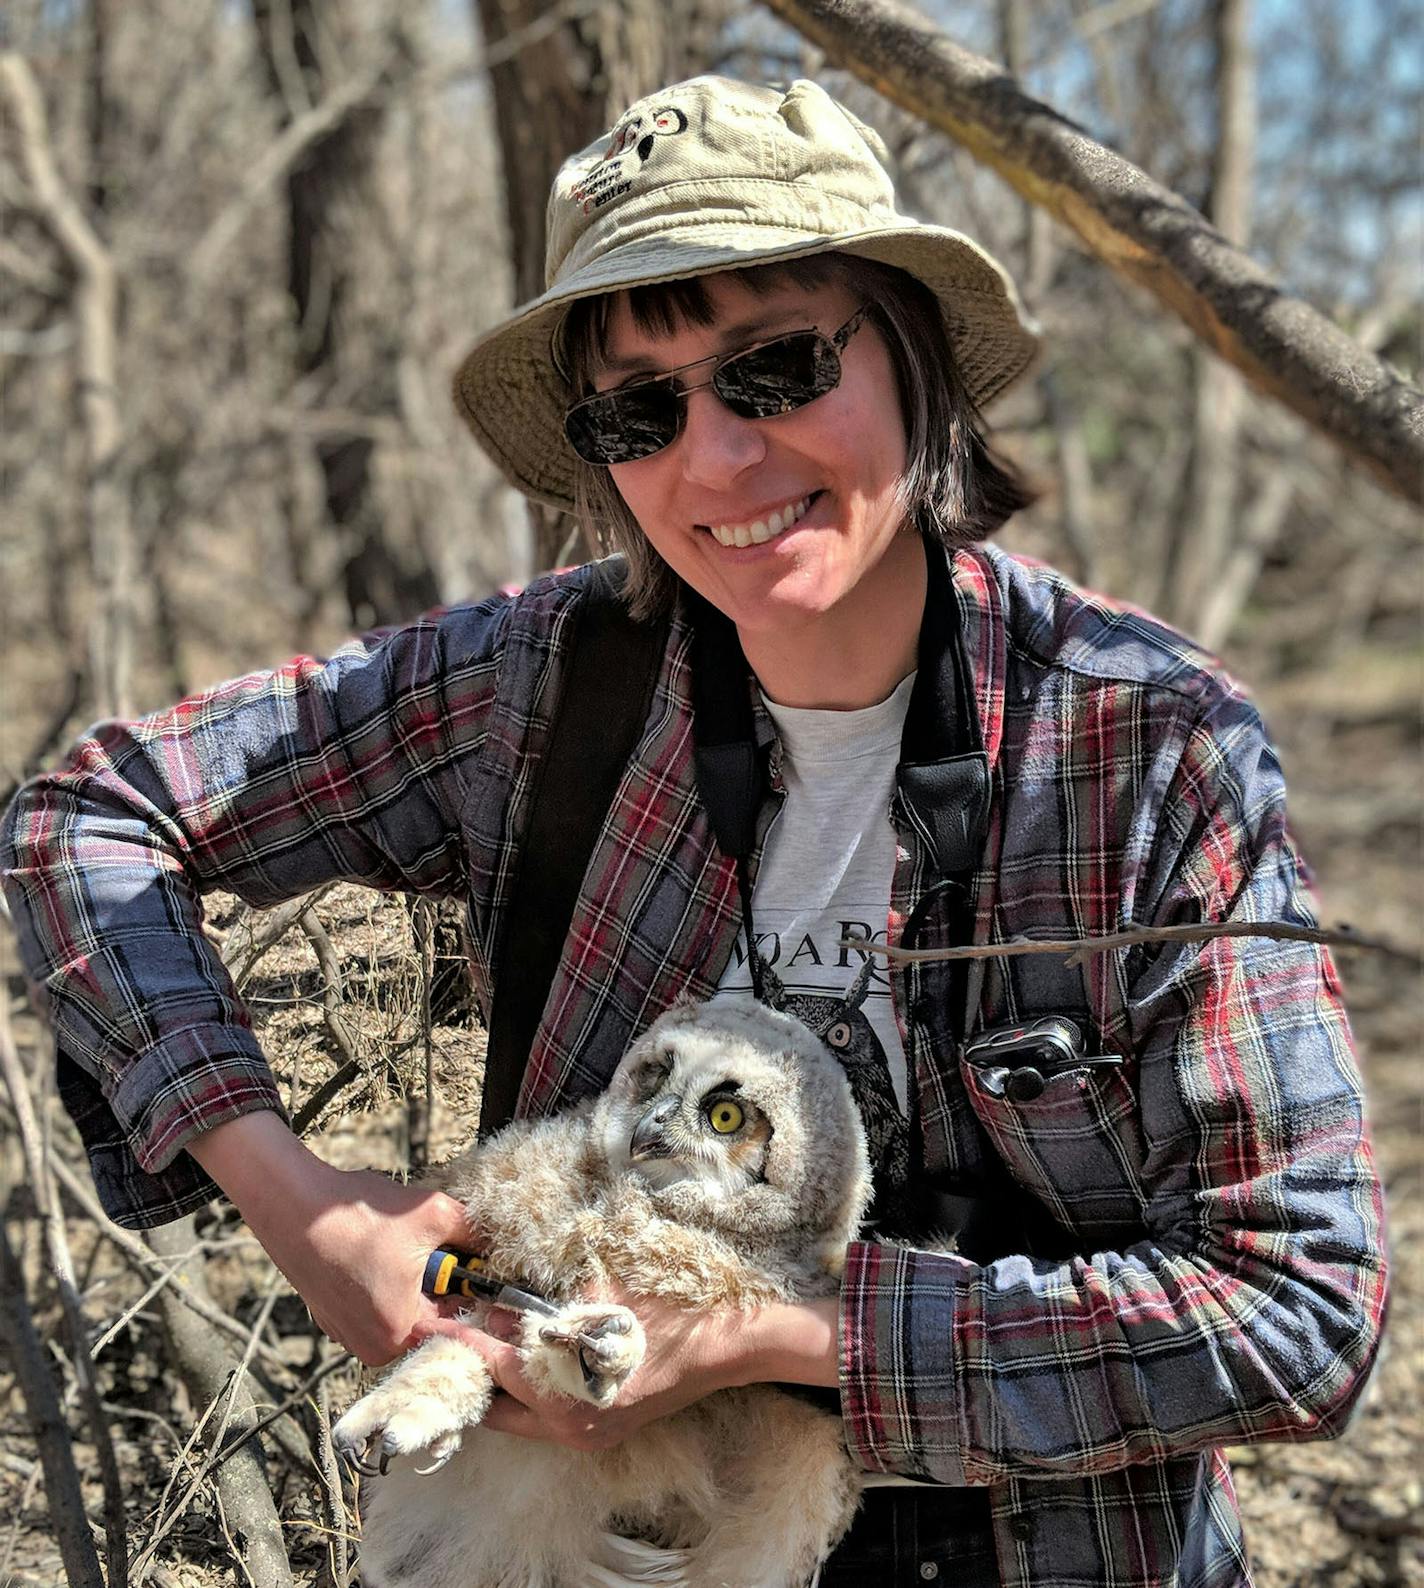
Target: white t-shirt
<point>828,862</point>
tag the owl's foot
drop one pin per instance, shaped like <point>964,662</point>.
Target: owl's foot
<point>420,1408</point>
<point>588,1351</point>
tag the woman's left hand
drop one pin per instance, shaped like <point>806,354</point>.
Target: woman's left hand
<point>689,1355</point>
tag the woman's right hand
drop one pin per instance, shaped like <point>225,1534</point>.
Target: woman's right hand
<point>353,1243</point>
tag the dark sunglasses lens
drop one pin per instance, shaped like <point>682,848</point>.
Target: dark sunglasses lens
<point>623,426</point>
<point>778,376</point>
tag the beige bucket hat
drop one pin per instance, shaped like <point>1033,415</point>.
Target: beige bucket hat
<point>708,175</point>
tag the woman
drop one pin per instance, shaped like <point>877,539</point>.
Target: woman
<point>759,381</point>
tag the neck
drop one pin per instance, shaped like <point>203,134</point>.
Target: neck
<point>853,655</point>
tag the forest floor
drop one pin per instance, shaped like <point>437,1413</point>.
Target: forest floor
<point>1344,1514</point>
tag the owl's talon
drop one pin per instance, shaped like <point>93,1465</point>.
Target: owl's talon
<point>360,1459</point>
<point>440,1453</point>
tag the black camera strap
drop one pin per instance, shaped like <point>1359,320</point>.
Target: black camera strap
<point>612,664</point>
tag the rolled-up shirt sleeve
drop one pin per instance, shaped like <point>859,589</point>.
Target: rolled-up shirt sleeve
<point>348,769</point>
<point>1251,1305</point>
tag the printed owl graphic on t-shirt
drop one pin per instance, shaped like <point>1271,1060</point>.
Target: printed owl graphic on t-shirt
<point>843,1026</point>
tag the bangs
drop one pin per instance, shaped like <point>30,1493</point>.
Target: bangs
<point>663,308</point>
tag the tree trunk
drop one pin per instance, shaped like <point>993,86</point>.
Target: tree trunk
<point>555,94</point>
<point>1208,524</point>
<point>1144,231</point>
<point>96,311</point>
<point>330,183</point>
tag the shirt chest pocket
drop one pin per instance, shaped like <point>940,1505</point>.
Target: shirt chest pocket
<point>1076,1146</point>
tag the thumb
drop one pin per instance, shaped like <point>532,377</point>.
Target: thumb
<point>446,1220</point>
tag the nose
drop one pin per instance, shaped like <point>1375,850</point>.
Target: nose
<point>717,445</point>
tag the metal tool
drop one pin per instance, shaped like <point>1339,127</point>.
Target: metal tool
<point>457,1274</point>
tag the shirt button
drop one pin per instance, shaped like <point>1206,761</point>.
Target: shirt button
<point>928,1570</point>
<point>1021,1526</point>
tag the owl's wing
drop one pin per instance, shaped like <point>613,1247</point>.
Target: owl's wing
<point>629,1563</point>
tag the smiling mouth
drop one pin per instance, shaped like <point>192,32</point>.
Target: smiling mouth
<point>761,530</point>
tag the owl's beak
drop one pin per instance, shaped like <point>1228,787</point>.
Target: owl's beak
<point>649,1137</point>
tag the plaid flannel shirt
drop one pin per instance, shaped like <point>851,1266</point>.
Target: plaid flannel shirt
<point>1222,1276</point>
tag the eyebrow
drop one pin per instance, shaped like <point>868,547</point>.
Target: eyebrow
<point>742,333</point>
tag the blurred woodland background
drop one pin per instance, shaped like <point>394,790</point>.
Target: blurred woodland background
<point>245,243</point>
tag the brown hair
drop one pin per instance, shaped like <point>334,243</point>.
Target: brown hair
<point>954,489</point>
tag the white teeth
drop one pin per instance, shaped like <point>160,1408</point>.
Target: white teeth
<point>762,529</point>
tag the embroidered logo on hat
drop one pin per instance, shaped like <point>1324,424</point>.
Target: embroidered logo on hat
<point>610,178</point>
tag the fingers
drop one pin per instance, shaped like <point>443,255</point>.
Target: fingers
<point>509,1416</point>
<point>503,1360</point>
<point>577,1427</point>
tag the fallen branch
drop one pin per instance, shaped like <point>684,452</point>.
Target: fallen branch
<point>37,1168</point>
<point>31,1366</point>
<point>1141,229</point>
<point>1078,950</point>
<point>210,1373</point>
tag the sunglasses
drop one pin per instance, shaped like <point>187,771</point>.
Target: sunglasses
<point>770,378</point>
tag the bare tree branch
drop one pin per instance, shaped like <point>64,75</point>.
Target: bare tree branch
<point>332,985</point>
<point>280,156</point>
<point>255,931</point>
<point>139,1255</point>
<point>315,122</point>
<point>1078,950</point>
<point>1141,229</point>
<point>1208,522</point>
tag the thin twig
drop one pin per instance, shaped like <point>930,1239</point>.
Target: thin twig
<point>420,1108</point>
<point>1078,950</point>
<point>149,1263</point>
<point>332,984</point>
<point>130,1312</point>
<point>334,1083</point>
<point>282,1408</point>
<point>255,931</point>
<point>337,1555</point>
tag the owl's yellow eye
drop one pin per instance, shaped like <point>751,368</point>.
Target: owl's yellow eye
<point>725,1116</point>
